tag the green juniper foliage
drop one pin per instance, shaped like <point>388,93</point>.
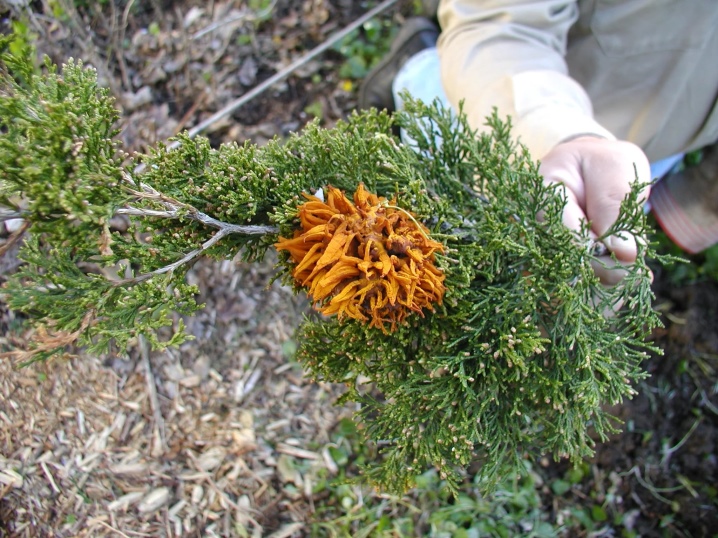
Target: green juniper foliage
<point>519,360</point>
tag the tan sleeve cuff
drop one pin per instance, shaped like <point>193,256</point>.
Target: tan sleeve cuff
<point>545,127</point>
<point>550,108</point>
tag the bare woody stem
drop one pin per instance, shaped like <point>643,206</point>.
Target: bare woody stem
<point>174,265</point>
<point>227,227</point>
<point>175,210</point>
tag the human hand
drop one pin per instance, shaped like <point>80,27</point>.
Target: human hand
<point>597,174</point>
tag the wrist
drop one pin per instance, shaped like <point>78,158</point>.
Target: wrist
<point>582,135</point>
<point>545,128</point>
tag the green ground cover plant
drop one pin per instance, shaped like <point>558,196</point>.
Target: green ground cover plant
<point>364,48</point>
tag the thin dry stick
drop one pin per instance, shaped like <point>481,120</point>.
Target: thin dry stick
<point>184,119</point>
<point>118,49</point>
<point>284,73</point>
<point>5,490</point>
<point>14,238</point>
<point>49,477</point>
<point>158,426</point>
<point>117,38</point>
<point>109,527</point>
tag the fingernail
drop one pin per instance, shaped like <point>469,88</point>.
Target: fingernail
<point>623,247</point>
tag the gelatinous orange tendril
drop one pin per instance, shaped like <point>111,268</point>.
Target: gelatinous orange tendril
<point>368,260</point>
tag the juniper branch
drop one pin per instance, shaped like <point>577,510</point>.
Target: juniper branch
<point>517,361</point>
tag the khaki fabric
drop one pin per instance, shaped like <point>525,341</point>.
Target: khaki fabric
<point>639,70</point>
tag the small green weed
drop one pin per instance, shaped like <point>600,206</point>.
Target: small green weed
<point>515,509</point>
<point>315,109</point>
<point>262,10</point>
<point>154,29</point>
<point>23,39</point>
<point>700,266</point>
<point>88,3</point>
<point>363,48</point>
<point>684,268</point>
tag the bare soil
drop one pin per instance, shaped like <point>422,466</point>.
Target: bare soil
<point>662,467</point>
<point>225,436</point>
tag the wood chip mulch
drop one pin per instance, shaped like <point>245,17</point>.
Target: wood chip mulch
<point>211,447</point>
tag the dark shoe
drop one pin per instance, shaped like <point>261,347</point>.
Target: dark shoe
<point>415,35</point>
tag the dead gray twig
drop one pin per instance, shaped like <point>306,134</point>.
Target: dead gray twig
<point>176,209</point>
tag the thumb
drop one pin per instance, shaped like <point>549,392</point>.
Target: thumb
<point>603,210</point>
<point>608,180</point>
<point>623,246</point>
